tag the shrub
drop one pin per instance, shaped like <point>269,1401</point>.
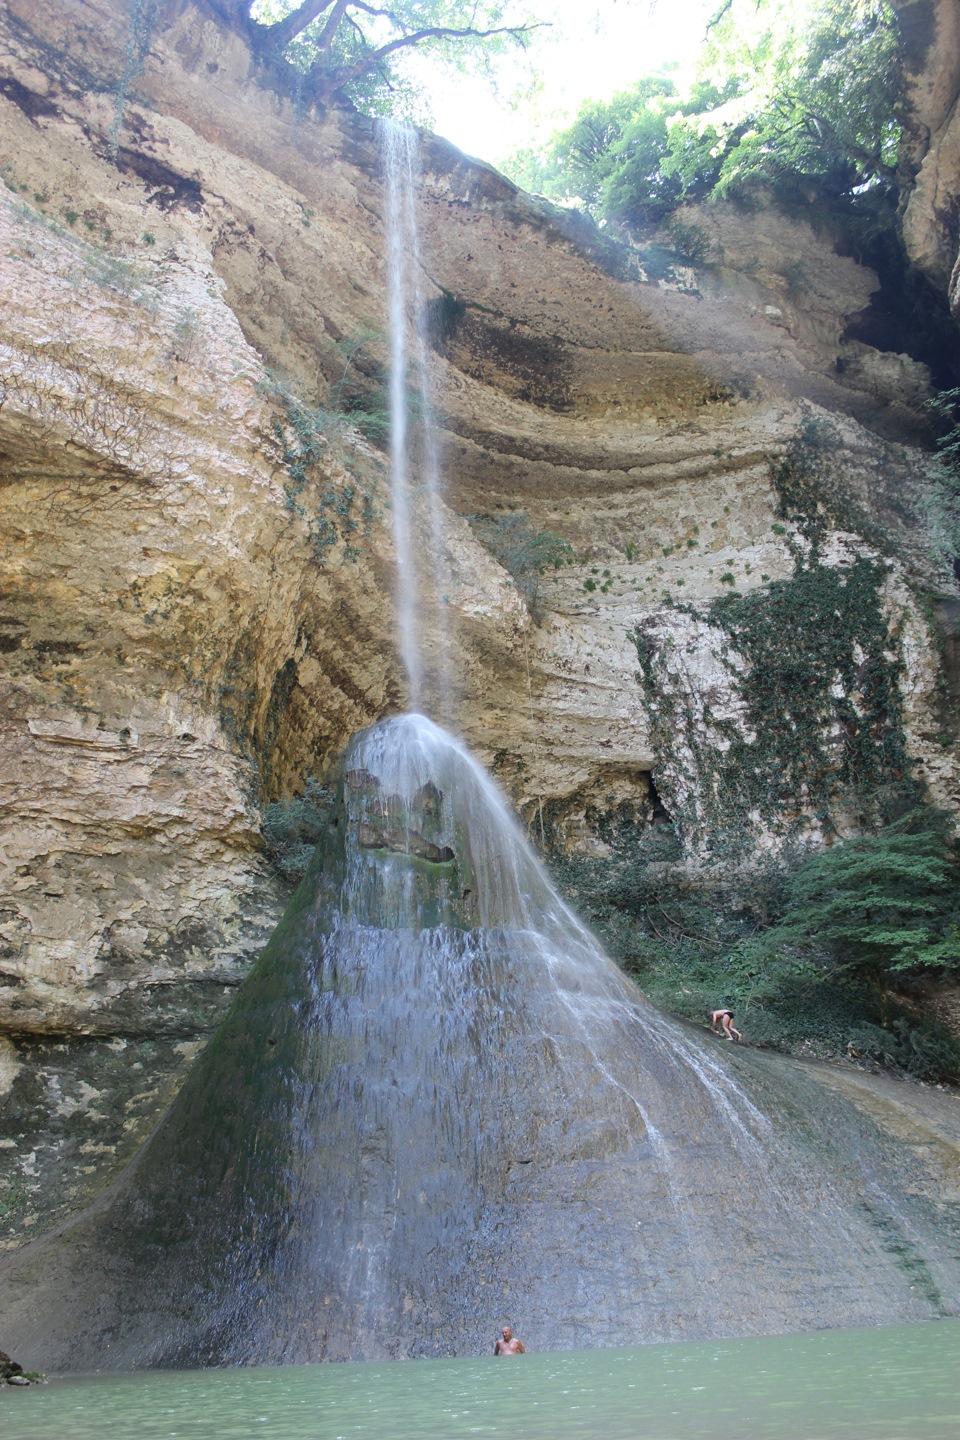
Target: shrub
<point>734,937</point>
<point>525,553</point>
<point>292,828</point>
<point>877,905</point>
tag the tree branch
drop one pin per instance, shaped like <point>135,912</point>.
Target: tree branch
<point>332,26</point>
<point>373,10</point>
<point>715,19</point>
<point>285,30</point>
<point>437,32</point>
<point>354,25</point>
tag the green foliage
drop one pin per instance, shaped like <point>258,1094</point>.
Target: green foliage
<point>814,664</point>
<point>525,553</point>
<point>109,271</point>
<point>345,49</point>
<point>820,689</point>
<point>800,102</point>
<point>360,390</point>
<point>942,508</point>
<point>609,159</point>
<point>945,408</point>
<point>112,273</point>
<point>689,241</point>
<point>876,904</point>
<point>184,334</point>
<point>815,98</point>
<point>292,828</point>
<point>812,496</point>
<point>922,1047</point>
<point>816,669</point>
<point>730,936</point>
<point>856,924</point>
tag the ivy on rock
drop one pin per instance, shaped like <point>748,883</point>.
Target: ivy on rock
<point>802,713</point>
<point>820,686</point>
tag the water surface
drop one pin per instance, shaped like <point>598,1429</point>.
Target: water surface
<point>894,1383</point>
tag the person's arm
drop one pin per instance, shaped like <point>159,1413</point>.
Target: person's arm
<point>521,1348</point>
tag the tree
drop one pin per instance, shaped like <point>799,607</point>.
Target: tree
<point>806,99</point>
<point>803,102</point>
<point>525,553</point>
<point>351,49</point>
<point>875,905</point>
<point>611,157</point>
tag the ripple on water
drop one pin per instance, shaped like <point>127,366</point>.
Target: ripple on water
<point>895,1383</point>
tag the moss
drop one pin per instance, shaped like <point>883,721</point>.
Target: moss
<point>823,708</point>
<point>78,1108</point>
<point>814,667</point>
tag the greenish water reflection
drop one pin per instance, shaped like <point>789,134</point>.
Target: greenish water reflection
<point>897,1383</point>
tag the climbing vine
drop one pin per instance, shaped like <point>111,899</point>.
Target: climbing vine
<point>143,17</point>
<point>812,496</point>
<point>337,512</point>
<point>802,709</point>
<point>819,682</point>
<point>777,712</point>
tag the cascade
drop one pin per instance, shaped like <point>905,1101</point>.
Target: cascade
<point>417,512</point>
<point>436,1105</point>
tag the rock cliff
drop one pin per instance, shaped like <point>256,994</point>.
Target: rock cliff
<point>197,562</point>
<point>931,30</point>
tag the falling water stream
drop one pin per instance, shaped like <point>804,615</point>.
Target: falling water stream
<point>416,506</point>
<point>437,1106</point>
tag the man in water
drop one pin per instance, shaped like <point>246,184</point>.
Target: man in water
<point>725,1018</point>
<point>507,1345</point>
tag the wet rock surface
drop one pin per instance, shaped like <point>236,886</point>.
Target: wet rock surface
<point>399,1131</point>
<point>74,1112</point>
<point>182,641</point>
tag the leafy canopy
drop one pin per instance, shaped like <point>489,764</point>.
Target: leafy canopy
<point>783,98</point>
<point>877,904</point>
<point>353,50</point>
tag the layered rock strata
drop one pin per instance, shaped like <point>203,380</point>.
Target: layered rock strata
<point>198,564</point>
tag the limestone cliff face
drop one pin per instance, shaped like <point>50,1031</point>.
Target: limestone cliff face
<point>193,620</point>
<point>931,30</point>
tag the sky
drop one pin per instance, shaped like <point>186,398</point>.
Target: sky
<point>589,53</point>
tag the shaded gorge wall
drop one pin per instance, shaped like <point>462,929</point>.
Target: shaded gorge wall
<point>197,567</point>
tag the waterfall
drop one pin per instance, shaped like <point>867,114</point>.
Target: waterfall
<point>436,1106</point>
<point>417,507</point>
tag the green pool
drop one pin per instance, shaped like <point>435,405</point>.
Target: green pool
<point>896,1383</point>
